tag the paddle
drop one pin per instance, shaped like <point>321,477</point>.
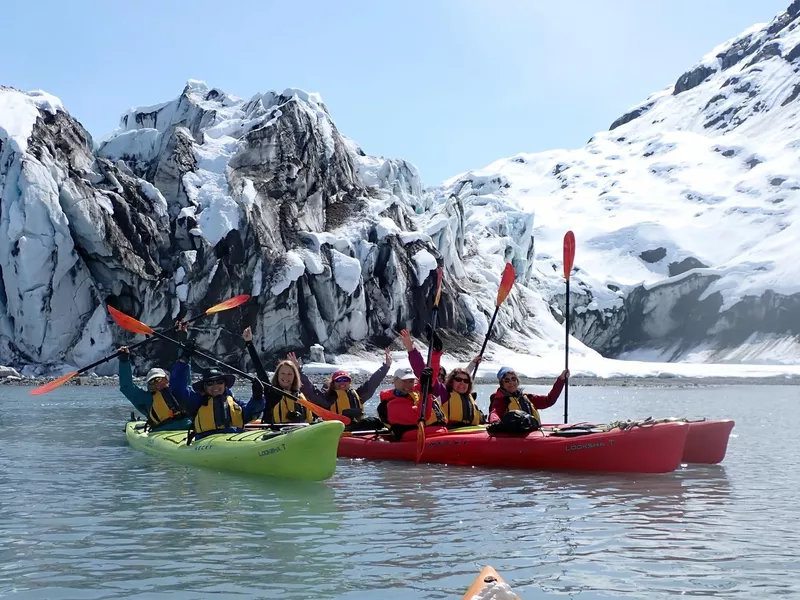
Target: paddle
<point>506,283</point>
<point>426,383</point>
<point>226,305</point>
<point>569,258</point>
<point>130,324</point>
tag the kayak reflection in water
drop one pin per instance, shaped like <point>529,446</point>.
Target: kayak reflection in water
<point>340,397</point>
<point>210,401</point>
<point>510,405</point>
<point>157,403</point>
<point>454,391</point>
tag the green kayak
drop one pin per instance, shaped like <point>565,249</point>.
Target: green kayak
<point>306,452</point>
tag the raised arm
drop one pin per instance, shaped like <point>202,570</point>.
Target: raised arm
<point>261,372</point>
<point>367,389</point>
<point>141,399</point>
<point>546,401</point>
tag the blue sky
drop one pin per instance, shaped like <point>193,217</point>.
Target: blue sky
<point>450,85</point>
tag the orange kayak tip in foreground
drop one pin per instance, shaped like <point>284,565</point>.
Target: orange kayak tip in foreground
<point>489,586</point>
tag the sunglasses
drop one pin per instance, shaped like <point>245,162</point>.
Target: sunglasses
<point>461,379</point>
<point>342,380</point>
<point>215,382</point>
<point>510,379</point>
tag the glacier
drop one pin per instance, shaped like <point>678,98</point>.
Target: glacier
<point>683,211</point>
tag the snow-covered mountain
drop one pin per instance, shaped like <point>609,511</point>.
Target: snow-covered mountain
<point>683,212</point>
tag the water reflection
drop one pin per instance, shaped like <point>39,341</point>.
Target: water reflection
<point>85,516</point>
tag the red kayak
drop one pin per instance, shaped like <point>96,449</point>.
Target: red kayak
<point>706,443</point>
<point>644,448</point>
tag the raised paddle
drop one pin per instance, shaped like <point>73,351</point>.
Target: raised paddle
<point>130,324</point>
<point>226,305</point>
<point>506,283</point>
<point>426,382</point>
<point>569,259</point>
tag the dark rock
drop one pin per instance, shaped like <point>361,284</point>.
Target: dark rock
<point>653,255</point>
<point>687,264</point>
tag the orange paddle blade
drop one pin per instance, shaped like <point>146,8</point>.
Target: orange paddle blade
<point>569,253</point>
<point>129,323</point>
<point>323,412</point>
<point>439,273</point>
<point>420,442</point>
<point>228,304</point>
<point>506,283</point>
<point>49,387</point>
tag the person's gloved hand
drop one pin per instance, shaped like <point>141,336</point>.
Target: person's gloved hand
<point>186,350</point>
<point>124,354</point>
<point>426,377</point>
<point>295,416</point>
<point>353,413</point>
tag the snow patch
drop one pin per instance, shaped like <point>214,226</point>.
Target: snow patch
<point>292,271</point>
<point>346,271</point>
<point>425,262</point>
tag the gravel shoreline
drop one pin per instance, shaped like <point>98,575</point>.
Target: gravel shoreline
<point>321,380</point>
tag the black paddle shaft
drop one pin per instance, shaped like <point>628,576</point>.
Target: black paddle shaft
<point>426,385</point>
<point>566,357</point>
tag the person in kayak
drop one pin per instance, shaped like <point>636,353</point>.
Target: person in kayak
<point>210,401</point>
<point>453,392</point>
<point>399,407</point>
<point>339,397</point>
<point>279,407</point>
<point>157,403</point>
<point>509,397</point>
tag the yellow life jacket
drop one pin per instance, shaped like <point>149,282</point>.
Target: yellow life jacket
<point>165,409</point>
<point>346,399</point>
<point>286,405</point>
<point>520,402</point>
<point>461,408</point>
<point>218,413</point>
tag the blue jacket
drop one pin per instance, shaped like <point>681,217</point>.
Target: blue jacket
<point>179,386</point>
<point>142,400</point>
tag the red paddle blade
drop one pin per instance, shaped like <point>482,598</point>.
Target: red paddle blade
<point>49,387</point>
<point>569,253</point>
<point>129,323</point>
<point>228,304</point>
<point>506,283</point>
<point>420,442</point>
<point>439,272</point>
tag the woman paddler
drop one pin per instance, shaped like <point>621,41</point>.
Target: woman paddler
<point>340,397</point>
<point>279,407</point>
<point>510,399</point>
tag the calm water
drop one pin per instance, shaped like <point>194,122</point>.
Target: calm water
<point>85,516</point>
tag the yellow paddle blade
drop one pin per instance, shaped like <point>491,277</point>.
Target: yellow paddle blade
<point>228,304</point>
<point>129,323</point>
<point>49,387</point>
<point>439,273</point>
<point>420,442</point>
